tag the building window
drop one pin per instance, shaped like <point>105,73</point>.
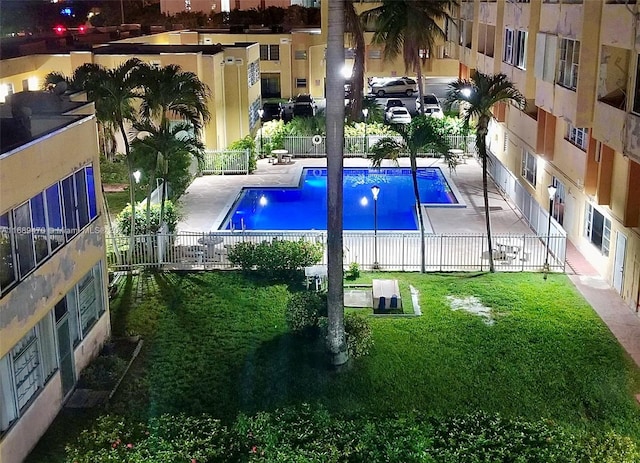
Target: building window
<point>578,136</point>
<point>636,100</point>
<point>253,73</point>
<point>300,54</point>
<point>568,63</point>
<point>25,369</point>
<point>597,229</point>
<point>301,83</point>
<point>520,58</point>
<point>32,231</point>
<point>529,167</point>
<point>270,52</point>
<point>508,46</point>
<point>545,59</point>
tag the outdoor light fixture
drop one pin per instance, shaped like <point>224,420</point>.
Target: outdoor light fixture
<point>466,92</point>
<point>260,113</point>
<point>552,195</point>
<point>136,176</point>
<point>365,113</point>
<point>375,190</point>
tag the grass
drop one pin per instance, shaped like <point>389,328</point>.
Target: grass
<point>216,342</point>
<point>118,200</point>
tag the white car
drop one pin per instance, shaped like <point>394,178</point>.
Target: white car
<point>398,115</point>
<point>431,106</point>
<point>404,85</point>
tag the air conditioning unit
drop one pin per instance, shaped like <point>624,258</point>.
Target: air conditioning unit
<point>285,41</point>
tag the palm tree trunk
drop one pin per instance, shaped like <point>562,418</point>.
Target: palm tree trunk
<point>481,143</point>
<point>336,338</point>
<point>132,195</point>
<point>416,192</point>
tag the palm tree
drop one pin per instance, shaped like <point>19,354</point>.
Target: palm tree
<point>336,339</point>
<point>164,152</point>
<point>114,92</point>
<point>169,91</point>
<point>477,97</point>
<point>409,28</point>
<point>424,133</point>
<point>355,27</point>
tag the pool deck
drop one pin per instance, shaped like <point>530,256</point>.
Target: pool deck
<point>209,197</point>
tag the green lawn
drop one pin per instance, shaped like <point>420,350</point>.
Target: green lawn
<point>217,342</point>
<point>118,200</point>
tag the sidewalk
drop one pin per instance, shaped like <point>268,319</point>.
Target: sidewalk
<point>618,316</point>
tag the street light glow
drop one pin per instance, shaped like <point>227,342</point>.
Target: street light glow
<point>364,201</point>
<point>375,189</point>
<point>136,176</point>
<point>466,92</point>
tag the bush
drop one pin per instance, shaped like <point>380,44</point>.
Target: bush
<point>103,373</point>
<point>359,334</point>
<point>114,172</point>
<point>142,227</point>
<point>353,272</point>
<point>610,448</point>
<point>246,143</point>
<point>304,311</point>
<point>276,259</point>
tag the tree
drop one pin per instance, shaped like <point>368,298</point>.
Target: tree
<point>477,97</point>
<point>355,27</point>
<point>424,133</point>
<point>336,338</point>
<point>169,91</point>
<point>114,92</point>
<point>409,28</point>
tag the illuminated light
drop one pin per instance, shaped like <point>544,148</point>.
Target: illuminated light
<point>347,71</point>
<point>263,200</point>
<point>364,201</point>
<point>4,91</point>
<point>136,176</point>
<point>33,83</point>
<point>82,29</point>
<point>466,92</point>
<point>59,29</point>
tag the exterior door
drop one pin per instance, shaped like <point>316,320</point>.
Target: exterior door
<point>618,265</point>
<point>65,347</point>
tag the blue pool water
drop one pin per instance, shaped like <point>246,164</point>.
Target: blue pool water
<point>305,207</point>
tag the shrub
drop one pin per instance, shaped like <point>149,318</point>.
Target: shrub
<point>103,373</point>
<point>246,143</point>
<point>353,272</point>
<point>276,259</point>
<point>142,227</point>
<point>114,171</point>
<point>610,448</point>
<point>359,335</point>
<point>304,311</point>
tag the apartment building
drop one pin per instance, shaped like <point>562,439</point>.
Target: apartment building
<point>578,64</point>
<point>53,306</point>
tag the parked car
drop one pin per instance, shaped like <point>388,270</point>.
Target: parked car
<point>397,85</point>
<point>431,105</point>
<point>393,103</point>
<point>272,111</point>
<point>398,116</point>
<point>303,105</point>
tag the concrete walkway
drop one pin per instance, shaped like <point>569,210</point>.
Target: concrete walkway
<point>209,198</point>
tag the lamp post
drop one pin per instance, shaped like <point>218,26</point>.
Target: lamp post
<point>260,113</point>
<point>375,190</point>
<point>365,113</point>
<point>552,194</point>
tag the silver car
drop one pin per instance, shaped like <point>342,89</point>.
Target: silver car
<point>431,106</point>
<point>403,85</point>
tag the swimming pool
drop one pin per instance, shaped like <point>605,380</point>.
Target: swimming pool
<point>305,207</point>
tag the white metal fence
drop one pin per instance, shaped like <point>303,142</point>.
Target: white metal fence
<point>304,146</point>
<point>397,251</point>
<point>226,162</point>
